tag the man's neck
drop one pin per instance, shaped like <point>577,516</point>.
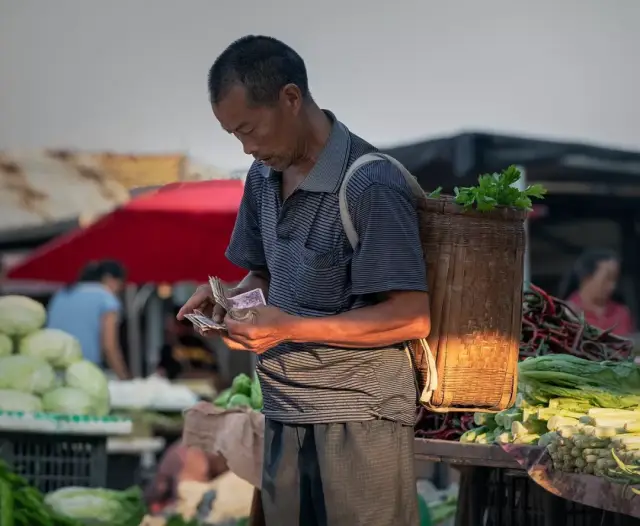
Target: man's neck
<point>318,129</point>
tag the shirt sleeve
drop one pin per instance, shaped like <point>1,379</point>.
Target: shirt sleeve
<point>110,303</point>
<point>389,256</point>
<point>245,249</point>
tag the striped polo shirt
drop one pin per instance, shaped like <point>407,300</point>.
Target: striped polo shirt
<point>314,272</point>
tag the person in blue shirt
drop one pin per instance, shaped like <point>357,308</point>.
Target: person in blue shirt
<point>90,310</point>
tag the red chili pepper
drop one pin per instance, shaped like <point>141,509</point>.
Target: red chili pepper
<point>465,422</point>
<point>557,332</point>
<point>547,300</point>
<point>435,432</point>
<point>560,343</point>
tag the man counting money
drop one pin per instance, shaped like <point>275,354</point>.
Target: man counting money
<point>339,392</point>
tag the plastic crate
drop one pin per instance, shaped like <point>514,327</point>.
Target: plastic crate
<point>502,497</point>
<point>53,461</point>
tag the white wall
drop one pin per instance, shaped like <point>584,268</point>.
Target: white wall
<point>130,75</point>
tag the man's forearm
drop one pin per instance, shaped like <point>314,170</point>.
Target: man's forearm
<point>115,361</point>
<point>254,280</point>
<point>403,317</point>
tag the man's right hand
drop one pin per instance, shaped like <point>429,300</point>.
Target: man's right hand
<point>202,300</point>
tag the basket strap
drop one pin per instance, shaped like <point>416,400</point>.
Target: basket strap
<point>367,158</point>
<point>354,240</point>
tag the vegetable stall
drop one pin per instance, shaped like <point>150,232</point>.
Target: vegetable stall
<point>568,449</point>
<point>54,406</point>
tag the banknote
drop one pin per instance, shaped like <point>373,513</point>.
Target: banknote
<point>246,300</point>
<point>203,322</point>
<point>239,306</point>
<point>218,292</point>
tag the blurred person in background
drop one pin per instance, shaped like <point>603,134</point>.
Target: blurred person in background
<point>90,310</point>
<point>590,287</point>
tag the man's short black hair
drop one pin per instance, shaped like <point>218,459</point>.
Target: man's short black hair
<point>263,65</point>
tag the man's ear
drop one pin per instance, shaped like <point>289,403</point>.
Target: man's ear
<point>292,97</point>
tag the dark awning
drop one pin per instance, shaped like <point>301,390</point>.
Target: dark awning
<point>459,159</point>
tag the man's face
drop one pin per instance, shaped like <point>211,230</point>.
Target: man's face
<point>269,133</point>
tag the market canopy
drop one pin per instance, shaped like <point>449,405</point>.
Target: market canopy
<point>459,159</point>
<point>176,233</point>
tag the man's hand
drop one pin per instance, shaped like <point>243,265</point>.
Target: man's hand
<point>268,327</point>
<point>202,300</point>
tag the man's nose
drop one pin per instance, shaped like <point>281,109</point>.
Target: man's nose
<point>249,148</point>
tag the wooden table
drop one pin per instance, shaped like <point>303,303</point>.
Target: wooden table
<point>460,455</point>
<point>476,463</point>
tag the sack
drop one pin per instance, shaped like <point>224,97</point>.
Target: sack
<point>475,269</point>
<point>235,434</point>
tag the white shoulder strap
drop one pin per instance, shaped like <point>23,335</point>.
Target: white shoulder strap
<point>347,224</point>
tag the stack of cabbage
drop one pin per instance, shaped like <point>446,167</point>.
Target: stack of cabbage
<point>41,370</point>
<point>586,413</point>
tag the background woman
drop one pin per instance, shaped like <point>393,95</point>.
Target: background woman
<point>590,287</point>
<point>90,311</point>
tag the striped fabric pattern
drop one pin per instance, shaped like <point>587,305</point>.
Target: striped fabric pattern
<point>314,272</point>
<point>317,475</point>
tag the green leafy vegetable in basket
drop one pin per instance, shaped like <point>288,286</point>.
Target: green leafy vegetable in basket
<point>241,385</point>
<point>21,504</point>
<point>239,400</point>
<point>243,392</point>
<point>223,398</point>
<point>256,394</point>
<point>498,189</point>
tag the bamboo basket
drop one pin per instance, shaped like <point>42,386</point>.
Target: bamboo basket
<point>475,263</point>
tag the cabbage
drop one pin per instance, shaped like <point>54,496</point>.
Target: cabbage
<point>59,348</point>
<point>68,401</point>
<point>6,345</point>
<point>89,378</point>
<point>18,401</point>
<point>20,315</point>
<point>97,506</point>
<point>27,374</point>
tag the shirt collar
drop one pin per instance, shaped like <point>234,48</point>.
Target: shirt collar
<point>326,175</point>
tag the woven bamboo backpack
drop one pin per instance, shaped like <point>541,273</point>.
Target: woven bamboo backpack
<point>475,269</point>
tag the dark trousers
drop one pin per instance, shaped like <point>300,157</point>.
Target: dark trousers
<point>349,474</point>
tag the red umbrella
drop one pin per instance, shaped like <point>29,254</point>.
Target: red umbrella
<point>176,233</point>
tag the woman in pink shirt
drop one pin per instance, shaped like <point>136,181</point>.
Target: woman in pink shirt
<point>590,287</point>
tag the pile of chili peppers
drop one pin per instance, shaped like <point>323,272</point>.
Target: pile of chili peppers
<point>549,326</point>
<point>442,426</point>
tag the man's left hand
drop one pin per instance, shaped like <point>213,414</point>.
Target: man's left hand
<point>268,327</point>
